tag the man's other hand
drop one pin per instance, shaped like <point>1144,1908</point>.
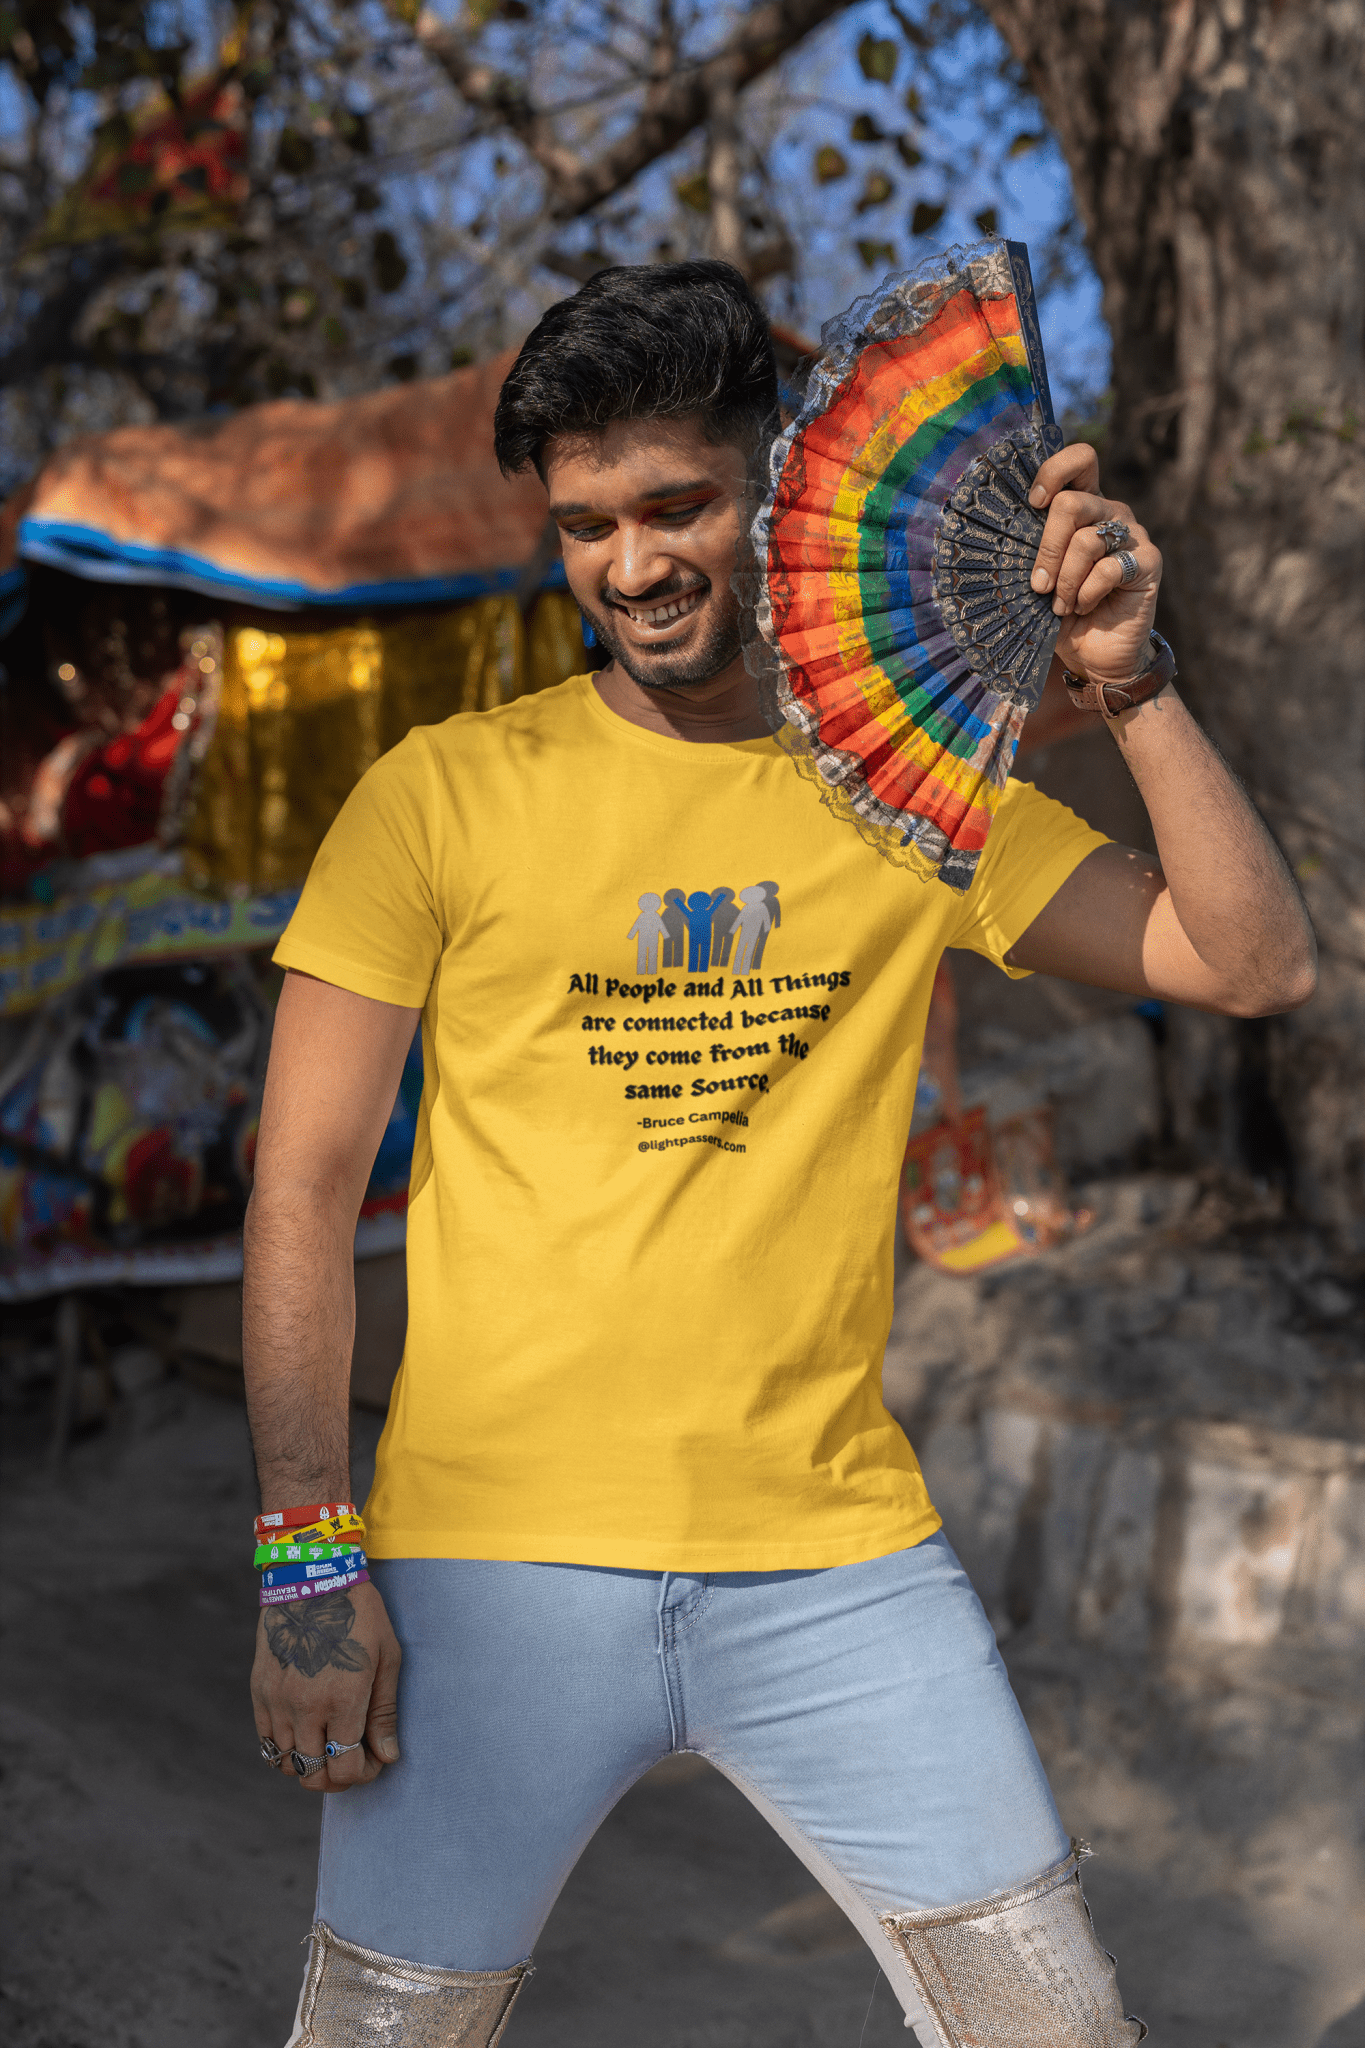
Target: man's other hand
<point>326,1670</point>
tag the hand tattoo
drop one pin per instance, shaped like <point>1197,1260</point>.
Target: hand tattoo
<point>312,1634</point>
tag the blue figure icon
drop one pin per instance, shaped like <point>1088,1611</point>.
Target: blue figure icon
<point>699,911</point>
<point>647,931</point>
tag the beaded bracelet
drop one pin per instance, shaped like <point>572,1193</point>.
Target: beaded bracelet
<point>303,1553</point>
<point>295,1518</point>
<point>280,1596</point>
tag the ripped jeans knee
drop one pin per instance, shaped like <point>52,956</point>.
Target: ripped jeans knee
<point>1021,1970</point>
<point>356,1998</point>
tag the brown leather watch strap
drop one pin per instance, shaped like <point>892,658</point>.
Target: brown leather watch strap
<point>1112,698</point>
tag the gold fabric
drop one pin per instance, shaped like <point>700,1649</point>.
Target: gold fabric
<point>356,1998</point>
<point>302,715</point>
<point>1023,1970</point>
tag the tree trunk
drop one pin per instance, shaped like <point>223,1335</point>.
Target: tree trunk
<point>1215,151</point>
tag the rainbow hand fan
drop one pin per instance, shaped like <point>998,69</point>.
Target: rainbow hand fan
<point>901,644</point>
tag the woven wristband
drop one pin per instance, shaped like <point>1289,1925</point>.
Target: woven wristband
<point>299,1518</point>
<point>304,1553</point>
<point>283,1596</point>
<point>308,1574</point>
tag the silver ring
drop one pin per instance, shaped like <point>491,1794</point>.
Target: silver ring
<point>1127,562</point>
<point>344,1748</point>
<point>306,1765</point>
<point>271,1753</point>
<point>1114,534</point>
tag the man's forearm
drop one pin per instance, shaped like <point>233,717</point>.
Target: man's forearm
<point>1234,897</point>
<point>298,1327</point>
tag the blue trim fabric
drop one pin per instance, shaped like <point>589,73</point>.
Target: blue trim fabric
<point>85,551</point>
<point>13,598</point>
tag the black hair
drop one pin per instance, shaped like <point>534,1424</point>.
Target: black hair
<point>646,341</point>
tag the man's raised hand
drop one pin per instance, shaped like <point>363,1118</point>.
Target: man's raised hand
<point>1105,622</point>
<point>326,1670</point>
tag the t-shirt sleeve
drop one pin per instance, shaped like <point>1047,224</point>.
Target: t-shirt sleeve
<point>1034,844</point>
<point>368,919</point>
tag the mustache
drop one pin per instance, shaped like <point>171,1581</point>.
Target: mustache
<point>658,593</point>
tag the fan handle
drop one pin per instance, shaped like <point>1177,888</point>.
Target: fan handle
<point>1022,275</point>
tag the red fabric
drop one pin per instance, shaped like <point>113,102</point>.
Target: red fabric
<point>114,798</point>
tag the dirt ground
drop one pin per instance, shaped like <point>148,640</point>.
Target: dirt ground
<point>159,1881</point>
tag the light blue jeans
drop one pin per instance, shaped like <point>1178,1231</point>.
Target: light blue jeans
<point>863,1709</point>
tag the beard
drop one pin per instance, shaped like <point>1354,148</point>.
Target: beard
<point>720,644</point>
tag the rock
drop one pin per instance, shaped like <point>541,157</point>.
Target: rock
<point>135,1367</point>
<point>1101,1080</point>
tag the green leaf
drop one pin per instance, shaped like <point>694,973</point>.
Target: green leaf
<point>988,221</point>
<point>876,255</point>
<point>907,152</point>
<point>925,217</point>
<point>694,192</point>
<point>389,262</point>
<point>354,131</point>
<point>334,333</point>
<point>1026,140</point>
<point>876,191</point>
<point>877,58</point>
<point>461,358</point>
<point>913,103</point>
<point>865,129</point>
<point>298,307</point>
<point>830,163</point>
<point>296,153</point>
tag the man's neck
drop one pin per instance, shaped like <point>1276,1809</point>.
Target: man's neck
<point>725,708</point>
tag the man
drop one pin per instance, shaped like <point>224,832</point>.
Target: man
<point>637,1491</point>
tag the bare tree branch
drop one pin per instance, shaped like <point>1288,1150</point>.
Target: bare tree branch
<point>677,99</point>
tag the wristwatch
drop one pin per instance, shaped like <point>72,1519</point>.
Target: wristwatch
<point>1111,698</point>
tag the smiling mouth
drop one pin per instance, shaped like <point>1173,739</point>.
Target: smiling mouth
<point>665,613</point>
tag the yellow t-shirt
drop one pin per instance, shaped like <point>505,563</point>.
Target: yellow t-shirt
<point>672,1012</point>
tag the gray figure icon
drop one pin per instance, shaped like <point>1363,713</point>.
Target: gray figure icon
<point>723,927</point>
<point>674,916</point>
<point>774,920</point>
<point>647,931</point>
<point>755,922</point>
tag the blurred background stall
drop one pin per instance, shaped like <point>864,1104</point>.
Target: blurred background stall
<point>263,264</point>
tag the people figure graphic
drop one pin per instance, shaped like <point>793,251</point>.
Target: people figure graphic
<point>774,920</point>
<point>647,931</point>
<point>755,922</point>
<point>675,927</point>
<point>723,927</point>
<point>711,924</point>
<point>699,910</point>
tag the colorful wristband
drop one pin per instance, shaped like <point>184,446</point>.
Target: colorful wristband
<point>282,1596</point>
<point>298,1518</point>
<point>302,1553</point>
<point>348,1528</point>
<point>306,1574</point>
